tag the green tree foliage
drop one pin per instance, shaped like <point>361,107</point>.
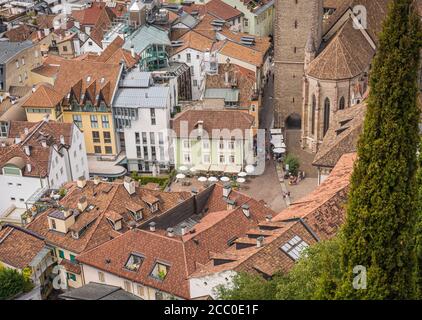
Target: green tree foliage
<point>248,287</point>
<point>314,277</point>
<point>379,233</point>
<point>419,225</point>
<point>12,282</point>
<point>293,164</point>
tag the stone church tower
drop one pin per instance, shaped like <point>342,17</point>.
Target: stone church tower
<point>297,36</point>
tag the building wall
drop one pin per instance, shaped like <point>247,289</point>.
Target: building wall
<point>18,187</point>
<point>261,25</point>
<point>76,156</point>
<point>206,285</point>
<point>90,46</point>
<point>87,131</point>
<point>78,282</point>
<point>196,63</point>
<point>323,89</point>
<point>197,152</point>
<point>90,274</point>
<point>16,72</point>
<point>143,124</point>
<point>289,55</point>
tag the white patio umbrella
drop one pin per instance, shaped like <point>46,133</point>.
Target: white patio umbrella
<point>192,170</point>
<point>225,179</point>
<point>183,168</point>
<point>241,180</point>
<point>202,179</point>
<point>212,179</point>
<point>242,174</point>
<point>279,150</point>
<point>180,176</point>
<point>249,168</point>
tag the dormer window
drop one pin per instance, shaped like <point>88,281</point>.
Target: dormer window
<point>154,207</point>
<point>53,224</point>
<point>160,271</point>
<point>295,247</point>
<point>134,262</point>
<point>137,215</point>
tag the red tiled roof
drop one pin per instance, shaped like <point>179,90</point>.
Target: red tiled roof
<point>105,198</point>
<point>39,158</point>
<point>18,247</point>
<point>213,119</point>
<point>183,253</point>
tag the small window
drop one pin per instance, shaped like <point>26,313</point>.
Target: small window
<point>140,290</point>
<point>101,277</point>
<point>71,276</point>
<point>108,150</point>
<point>61,253</point>
<point>53,226</point>
<point>134,262</point>
<point>294,247</point>
<point>160,271</point>
<point>128,286</point>
<point>72,258</point>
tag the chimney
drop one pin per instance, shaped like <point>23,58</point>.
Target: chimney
<point>132,51</point>
<point>18,140</point>
<point>27,150</point>
<point>226,78</point>
<point>152,226</point>
<point>81,182</point>
<point>259,242</point>
<point>62,139</point>
<point>82,204</point>
<point>194,192</point>
<point>200,125</point>
<point>129,185</point>
<point>226,191</point>
<point>28,167</point>
<point>97,180</point>
<point>184,229</point>
<point>46,117</point>
<point>33,89</point>
<point>44,143</point>
<point>246,210</point>
<point>26,130</point>
<point>67,212</point>
<point>268,218</point>
<point>231,204</point>
<point>170,232</point>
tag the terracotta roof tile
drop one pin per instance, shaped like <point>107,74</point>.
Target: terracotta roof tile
<point>19,247</point>
<point>213,119</point>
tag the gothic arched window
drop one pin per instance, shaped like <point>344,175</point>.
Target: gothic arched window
<point>313,114</point>
<point>326,115</point>
<point>341,104</point>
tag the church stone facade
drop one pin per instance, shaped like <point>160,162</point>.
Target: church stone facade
<point>322,64</point>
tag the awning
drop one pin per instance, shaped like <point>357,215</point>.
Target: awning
<point>217,167</point>
<point>202,167</point>
<point>232,169</point>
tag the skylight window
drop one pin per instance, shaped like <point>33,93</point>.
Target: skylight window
<point>134,262</point>
<point>160,271</point>
<point>295,247</point>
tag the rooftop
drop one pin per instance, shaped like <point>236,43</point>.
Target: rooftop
<point>9,49</point>
<point>18,246</point>
<point>98,291</point>
<point>212,119</point>
<point>209,224</point>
